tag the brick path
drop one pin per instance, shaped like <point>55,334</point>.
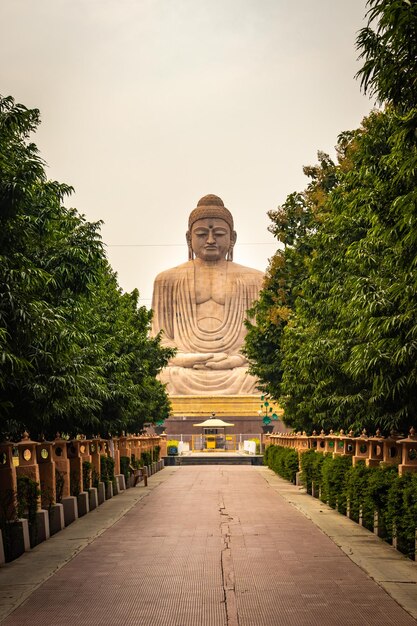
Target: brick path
<point>212,545</point>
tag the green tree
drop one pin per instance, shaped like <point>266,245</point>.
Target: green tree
<point>74,350</point>
<point>49,256</point>
<point>346,356</point>
<point>388,46</point>
<point>349,352</point>
<point>293,225</point>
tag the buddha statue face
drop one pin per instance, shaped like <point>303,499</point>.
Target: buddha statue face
<point>211,239</point>
<point>210,234</point>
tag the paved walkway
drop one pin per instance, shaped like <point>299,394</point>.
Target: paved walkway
<point>210,545</point>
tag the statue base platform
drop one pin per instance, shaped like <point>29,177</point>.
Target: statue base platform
<point>242,411</point>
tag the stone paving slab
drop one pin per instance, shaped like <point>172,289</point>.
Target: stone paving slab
<point>209,545</point>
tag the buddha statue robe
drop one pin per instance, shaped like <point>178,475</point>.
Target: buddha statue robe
<point>215,328</point>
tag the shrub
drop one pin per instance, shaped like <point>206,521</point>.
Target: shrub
<point>380,481</point>
<point>106,469</point>
<point>333,480</point>
<point>356,489</point>
<point>283,461</point>
<point>59,485</point>
<point>95,477</point>
<point>134,462</point>
<point>87,469</point>
<point>368,489</point>
<point>402,512</point>
<point>124,467</point>
<point>74,483</point>
<point>311,462</point>
<point>28,494</point>
<point>146,458</point>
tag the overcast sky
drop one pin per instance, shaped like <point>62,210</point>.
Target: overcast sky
<point>147,105</point>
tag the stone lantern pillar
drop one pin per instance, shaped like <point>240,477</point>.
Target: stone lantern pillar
<point>361,448</point>
<point>28,467</point>
<point>95,450</point>
<point>409,453</point>
<point>303,442</point>
<point>76,475</point>
<point>16,532</point>
<point>47,473</point>
<point>348,443</point>
<point>318,442</point>
<point>330,443</point>
<point>62,464</point>
<point>392,449</point>
<point>339,444</point>
<point>376,450</point>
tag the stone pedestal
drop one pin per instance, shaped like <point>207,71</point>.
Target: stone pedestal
<point>121,482</point>
<point>109,491</point>
<point>83,503</point>
<point>101,492</point>
<point>70,505</point>
<point>242,411</point>
<point>18,538</point>
<point>42,528</point>
<point>56,518</point>
<point>92,498</point>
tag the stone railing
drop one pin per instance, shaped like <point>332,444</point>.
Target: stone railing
<point>371,449</point>
<point>72,477</point>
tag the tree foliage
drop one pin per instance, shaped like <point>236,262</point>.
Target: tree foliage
<point>388,46</point>
<point>345,354</point>
<point>293,224</point>
<point>74,350</point>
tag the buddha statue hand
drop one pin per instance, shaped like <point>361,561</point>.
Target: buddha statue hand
<point>196,360</point>
<point>208,360</point>
<point>222,361</point>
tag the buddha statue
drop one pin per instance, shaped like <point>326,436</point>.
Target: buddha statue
<point>201,305</point>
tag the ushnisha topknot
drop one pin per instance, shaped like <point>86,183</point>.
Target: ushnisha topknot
<point>210,206</point>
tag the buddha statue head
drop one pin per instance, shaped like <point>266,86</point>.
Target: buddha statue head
<point>210,234</point>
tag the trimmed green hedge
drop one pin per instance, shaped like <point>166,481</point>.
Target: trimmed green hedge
<point>366,489</point>
<point>146,458</point>
<point>124,467</point>
<point>106,469</point>
<point>283,461</point>
<point>156,453</point>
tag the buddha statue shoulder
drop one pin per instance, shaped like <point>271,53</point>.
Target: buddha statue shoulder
<point>201,306</point>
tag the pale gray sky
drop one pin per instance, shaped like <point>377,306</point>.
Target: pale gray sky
<point>147,105</point>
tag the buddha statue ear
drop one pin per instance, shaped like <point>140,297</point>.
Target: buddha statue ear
<point>233,238</point>
<point>190,248</point>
